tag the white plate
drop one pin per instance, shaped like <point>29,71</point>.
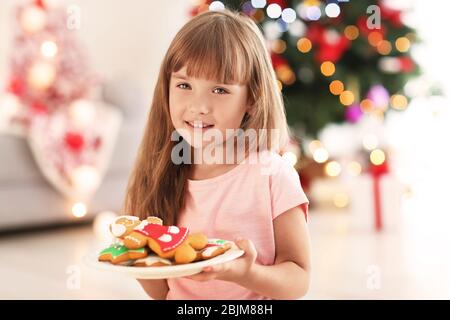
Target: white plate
<point>163,272</point>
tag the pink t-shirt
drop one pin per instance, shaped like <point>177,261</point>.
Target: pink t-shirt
<point>242,202</point>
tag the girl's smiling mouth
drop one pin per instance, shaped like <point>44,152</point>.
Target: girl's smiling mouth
<point>198,125</point>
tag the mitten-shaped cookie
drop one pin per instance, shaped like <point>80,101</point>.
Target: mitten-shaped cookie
<point>170,242</point>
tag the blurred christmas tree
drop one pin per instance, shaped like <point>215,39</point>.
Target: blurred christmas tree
<point>335,60</point>
<point>48,69</point>
<point>49,100</point>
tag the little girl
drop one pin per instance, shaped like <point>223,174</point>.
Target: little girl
<point>217,76</point>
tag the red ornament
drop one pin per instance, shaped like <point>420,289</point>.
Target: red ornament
<point>278,60</point>
<point>315,33</point>
<point>331,44</point>
<point>406,63</point>
<point>391,15</point>
<point>16,86</point>
<point>74,141</point>
<point>378,170</point>
<point>332,53</point>
<point>201,7</point>
<point>39,108</point>
<point>281,3</point>
<point>97,143</point>
<point>39,3</point>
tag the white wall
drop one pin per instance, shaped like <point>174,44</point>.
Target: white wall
<point>125,39</point>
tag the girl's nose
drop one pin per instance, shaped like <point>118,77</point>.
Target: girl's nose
<point>199,108</point>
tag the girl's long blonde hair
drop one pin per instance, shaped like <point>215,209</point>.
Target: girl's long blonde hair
<point>223,45</point>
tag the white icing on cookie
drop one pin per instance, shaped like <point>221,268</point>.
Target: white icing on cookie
<point>133,239</point>
<point>142,225</point>
<point>165,238</point>
<point>152,260</point>
<point>118,242</point>
<point>174,229</point>
<point>208,252</point>
<point>118,230</point>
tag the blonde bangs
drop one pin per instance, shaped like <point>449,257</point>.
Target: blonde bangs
<point>212,52</point>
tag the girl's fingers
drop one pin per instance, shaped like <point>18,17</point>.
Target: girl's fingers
<point>201,277</point>
<point>247,246</point>
<point>210,272</point>
<point>216,268</point>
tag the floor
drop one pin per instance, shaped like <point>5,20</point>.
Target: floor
<point>349,262</point>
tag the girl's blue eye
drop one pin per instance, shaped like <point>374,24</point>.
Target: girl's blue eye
<point>222,91</point>
<point>182,84</point>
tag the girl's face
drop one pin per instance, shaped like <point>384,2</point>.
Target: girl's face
<point>198,105</point>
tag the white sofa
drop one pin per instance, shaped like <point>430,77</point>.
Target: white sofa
<point>28,200</point>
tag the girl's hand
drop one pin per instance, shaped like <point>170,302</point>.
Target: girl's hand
<point>233,270</point>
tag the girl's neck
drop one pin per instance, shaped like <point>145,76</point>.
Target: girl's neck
<point>207,171</point>
<point>210,168</point>
<point>218,163</point>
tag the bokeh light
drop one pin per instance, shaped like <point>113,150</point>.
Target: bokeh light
<point>259,3</point>
<point>351,32</point>
<point>79,210</point>
<point>216,6</point>
<point>374,38</point>
<point>333,168</point>
<point>347,97</point>
<point>370,141</point>
<point>288,15</point>
<point>377,157</point>
<point>354,168</point>
<point>320,155</point>
<point>273,11</point>
<point>336,87</point>
<point>399,102</point>
<point>341,200</point>
<point>49,49</point>
<point>327,68</point>
<point>304,45</point>
<point>332,10</point>
<point>402,44</point>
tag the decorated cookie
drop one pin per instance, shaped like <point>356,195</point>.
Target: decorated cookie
<point>152,261</point>
<point>119,254</point>
<point>173,242</point>
<point>169,242</point>
<point>214,248</point>
<point>123,225</point>
<point>166,237</point>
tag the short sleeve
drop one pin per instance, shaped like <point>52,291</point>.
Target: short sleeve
<point>286,191</point>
